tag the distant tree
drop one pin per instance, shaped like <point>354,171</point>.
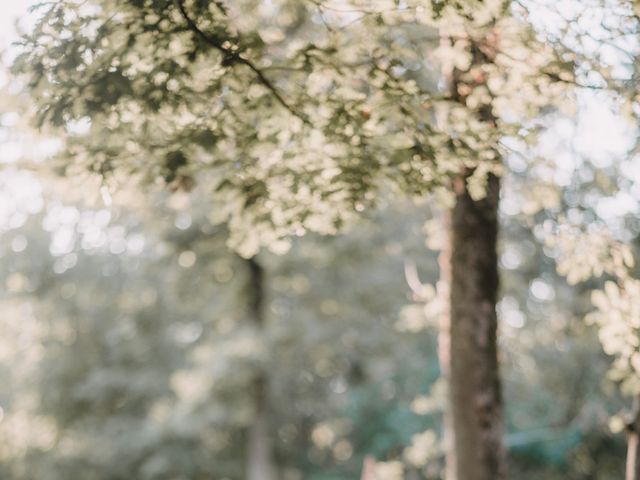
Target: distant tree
<point>141,363</point>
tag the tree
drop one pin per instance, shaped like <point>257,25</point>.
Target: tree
<point>114,410</point>
<point>176,90</point>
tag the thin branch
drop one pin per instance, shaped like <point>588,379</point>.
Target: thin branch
<point>365,11</point>
<point>235,57</point>
<point>556,78</point>
<point>413,281</point>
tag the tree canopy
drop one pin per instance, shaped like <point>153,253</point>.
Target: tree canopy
<point>295,115</point>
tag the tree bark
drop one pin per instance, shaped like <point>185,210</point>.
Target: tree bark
<point>474,382</point>
<point>632,471</point>
<point>260,463</point>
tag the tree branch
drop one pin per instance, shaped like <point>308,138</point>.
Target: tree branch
<point>232,57</point>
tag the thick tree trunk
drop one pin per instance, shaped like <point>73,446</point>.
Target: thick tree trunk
<point>259,448</point>
<point>474,382</point>
<point>632,471</point>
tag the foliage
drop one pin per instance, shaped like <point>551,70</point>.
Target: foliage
<point>299,117</point>
<point>173,91</point>
<point>150,360</point>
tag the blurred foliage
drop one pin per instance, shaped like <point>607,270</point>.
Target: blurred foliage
<point>128,353</point>
<point>126,348</point>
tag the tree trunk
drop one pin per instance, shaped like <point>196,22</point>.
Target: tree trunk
<point>443,289</point>
<point>474,382</point>
<point>632,471</point>
<point>259,448</point>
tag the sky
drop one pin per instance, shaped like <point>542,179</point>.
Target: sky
<point>20,194</point>
<point>11,10</point>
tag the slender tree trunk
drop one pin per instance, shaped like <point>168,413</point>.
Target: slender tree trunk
<point>259,448</point>
<point>368,468</point>
<point>474,382</point>
<point>443,289</point>
<point>632,471</point>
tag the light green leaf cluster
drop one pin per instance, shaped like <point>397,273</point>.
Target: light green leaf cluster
<point>424,448</point>
<point>583,255</point>
<point>617,315</point>
<point>294,116</point>
<point>617,305</point>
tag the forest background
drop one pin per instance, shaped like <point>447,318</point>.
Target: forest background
<point>173,309</point>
